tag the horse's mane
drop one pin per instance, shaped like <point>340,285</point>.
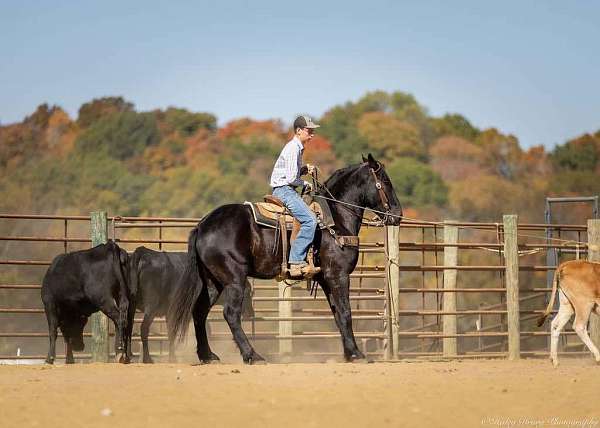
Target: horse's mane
<point>340,174</point>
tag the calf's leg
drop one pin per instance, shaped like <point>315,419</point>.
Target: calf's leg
<point>52,317</point>
<point>69,352</point>
<point>582,315</point>
<point>565,312</point>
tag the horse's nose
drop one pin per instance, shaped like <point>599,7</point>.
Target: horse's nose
<point>395,218</point>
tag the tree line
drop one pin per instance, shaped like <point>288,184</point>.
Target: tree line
<point>175,162</point>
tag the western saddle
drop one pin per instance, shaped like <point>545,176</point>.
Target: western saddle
<point>273,213</point>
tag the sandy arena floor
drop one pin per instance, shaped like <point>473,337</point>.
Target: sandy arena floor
<point>419,394</point>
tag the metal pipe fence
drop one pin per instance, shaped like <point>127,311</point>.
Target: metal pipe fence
<point>405,303</point>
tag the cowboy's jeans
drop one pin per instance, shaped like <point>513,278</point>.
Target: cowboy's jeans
<point>308,222</point>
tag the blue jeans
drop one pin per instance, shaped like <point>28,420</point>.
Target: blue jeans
<point>308,222</point>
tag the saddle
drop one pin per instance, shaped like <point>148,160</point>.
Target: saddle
<point>272,213</point>
<point>269,212</point>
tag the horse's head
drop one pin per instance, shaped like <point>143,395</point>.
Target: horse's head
<point>379,193</point>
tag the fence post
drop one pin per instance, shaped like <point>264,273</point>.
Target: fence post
<point>593,226</point>
<point>285,327</point>
<point>449,297</point>
<point>99,321</point>
<point>393,294</point>
<point>511,260</point>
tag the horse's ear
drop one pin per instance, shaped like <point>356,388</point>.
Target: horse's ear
<point>364,158</point>
<point>372,162</point>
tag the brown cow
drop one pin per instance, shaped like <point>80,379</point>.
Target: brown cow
<point>579,293</point>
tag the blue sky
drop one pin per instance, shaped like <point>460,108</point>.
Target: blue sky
<point>529,68</point>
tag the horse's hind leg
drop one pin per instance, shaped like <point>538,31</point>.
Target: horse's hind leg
<point>232,311</point>
<point>149,315</point>
<point>200,313</point>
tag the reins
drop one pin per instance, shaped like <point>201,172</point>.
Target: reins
<point>383,197</point>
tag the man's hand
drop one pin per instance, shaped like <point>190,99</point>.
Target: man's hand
<point>308,187</point>
<point>308,169</point>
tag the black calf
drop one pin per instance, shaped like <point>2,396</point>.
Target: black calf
<point>80,283</point>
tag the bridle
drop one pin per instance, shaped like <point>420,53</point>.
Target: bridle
<point>382,196</point>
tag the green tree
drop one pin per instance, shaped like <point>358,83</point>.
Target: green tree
<point>187,123</point>
<point>121,135</point>
<point>454,125</point>
<point>580,154</point>
<point>339,128</point>
<point>99,108</point>
<point>416,184</point>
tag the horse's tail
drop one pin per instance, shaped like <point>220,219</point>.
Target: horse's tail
<point>188,289</point>
<point>555,282</point>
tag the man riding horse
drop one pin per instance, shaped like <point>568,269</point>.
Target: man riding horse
<point>228,245</point>
<point>285,178</point>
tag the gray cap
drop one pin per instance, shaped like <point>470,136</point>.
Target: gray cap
<point>304,122</point>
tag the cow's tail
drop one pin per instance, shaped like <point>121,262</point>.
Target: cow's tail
<point>555,282</point>
<point>187,292</point>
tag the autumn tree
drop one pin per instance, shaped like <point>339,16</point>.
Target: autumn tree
<point>389,137</point>
<point>503,155</point>
<point>455,158</point>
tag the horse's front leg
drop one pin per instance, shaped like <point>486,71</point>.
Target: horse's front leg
<point>338,295</point>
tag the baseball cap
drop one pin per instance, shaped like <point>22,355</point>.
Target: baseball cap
<point>305,122</point>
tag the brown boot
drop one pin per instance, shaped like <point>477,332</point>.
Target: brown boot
<point>303,270</point>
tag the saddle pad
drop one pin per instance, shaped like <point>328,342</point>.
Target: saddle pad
<point>269,220</point>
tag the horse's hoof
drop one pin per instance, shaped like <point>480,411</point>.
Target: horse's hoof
<point>254,359</point>
<point>208,361</point>
<point>148,361</point>
<point>555,363</point>
<point>123,358</point>
<point>356,357</point>
<point>69,361</point>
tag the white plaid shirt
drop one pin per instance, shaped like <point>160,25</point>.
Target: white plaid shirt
<point>288,165</point>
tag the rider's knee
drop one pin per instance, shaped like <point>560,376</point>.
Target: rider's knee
<point>312,222</point>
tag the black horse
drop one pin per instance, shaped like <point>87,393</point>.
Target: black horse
<point>227,246</point>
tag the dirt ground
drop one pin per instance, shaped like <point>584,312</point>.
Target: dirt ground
<point>412,394</point>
